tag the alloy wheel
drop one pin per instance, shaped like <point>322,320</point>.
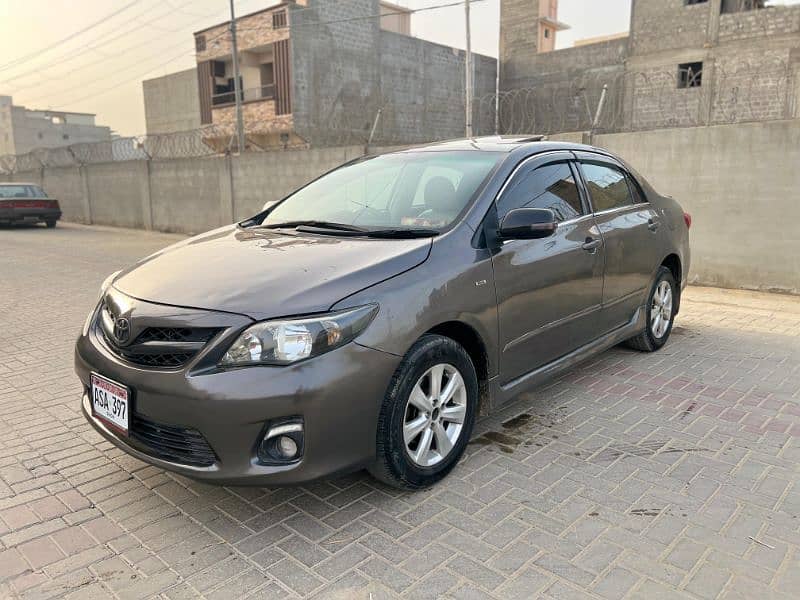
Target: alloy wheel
<point>661,310</point>
<point>434,415</point>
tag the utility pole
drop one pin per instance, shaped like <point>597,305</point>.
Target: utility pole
<point>468,82</point>
<point>237,87</point>
<point>497,95</point>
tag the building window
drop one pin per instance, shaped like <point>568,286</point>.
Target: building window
<point>732,6</point>
<point>690,75</point>
<point>546,33</point>
<point>693,2</point>
<point>40,135</point>
<point>279,19</point>
<point>65,136</point>
<point>200,43</point>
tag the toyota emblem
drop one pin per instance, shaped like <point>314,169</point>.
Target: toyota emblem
<point>122,331</point>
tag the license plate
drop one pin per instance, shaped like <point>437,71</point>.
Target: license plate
<point>110,402</point>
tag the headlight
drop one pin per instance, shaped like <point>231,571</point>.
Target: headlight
<point>291,340</point>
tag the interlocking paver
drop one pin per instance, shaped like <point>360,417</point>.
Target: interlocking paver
<point>667,475</point>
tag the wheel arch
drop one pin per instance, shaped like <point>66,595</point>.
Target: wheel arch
<point>473,343</point>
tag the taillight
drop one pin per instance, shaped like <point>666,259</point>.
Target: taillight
<point>687,218</point>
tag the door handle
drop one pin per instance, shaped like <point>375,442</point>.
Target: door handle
<point>591,245</point>
<point>652,224</point>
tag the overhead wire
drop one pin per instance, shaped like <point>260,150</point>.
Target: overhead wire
<point>106,90</point>
<point>104,57</point>
<point>93,45</point>
<point>72,36</point>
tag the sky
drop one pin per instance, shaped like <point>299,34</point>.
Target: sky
<point>115,44</point>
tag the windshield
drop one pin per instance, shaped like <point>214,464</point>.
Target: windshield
<point>404,190</point>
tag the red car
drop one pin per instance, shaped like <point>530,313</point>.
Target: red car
<point>27,203</point>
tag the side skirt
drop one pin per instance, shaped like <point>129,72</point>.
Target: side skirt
<point>500,394</point>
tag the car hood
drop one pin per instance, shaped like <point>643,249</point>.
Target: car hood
<point>264,274</point>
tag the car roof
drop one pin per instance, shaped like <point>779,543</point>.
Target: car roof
<point>502,143</point>
<point>10,183</point>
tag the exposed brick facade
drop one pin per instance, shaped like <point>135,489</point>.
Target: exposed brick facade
<point>343,69</point>
<point>252,31</point>
<point>750,67</point>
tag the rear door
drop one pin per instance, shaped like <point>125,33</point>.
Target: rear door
<point>549,290</point>
<point>629,226</point>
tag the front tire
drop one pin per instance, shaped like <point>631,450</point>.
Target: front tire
<point>660,314</point>
<point>50,223</point>
<point>427,414</point>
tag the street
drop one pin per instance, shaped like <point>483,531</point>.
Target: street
<point>673,474</point>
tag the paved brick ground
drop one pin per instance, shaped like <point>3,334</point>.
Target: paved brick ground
<point>636,475</point>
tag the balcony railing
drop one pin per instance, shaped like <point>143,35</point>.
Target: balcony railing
<point>265,92</point>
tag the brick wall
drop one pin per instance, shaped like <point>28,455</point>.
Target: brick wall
<point>751,69</point>
<point>335,70</point>
<point>658,25</point>
<point>425,84</point>
<point>345,69</point>
<point>656,100</point>
<point>518,37</point>
<point>774,21</point>
<point>753,86</point>
<point>565,87</point>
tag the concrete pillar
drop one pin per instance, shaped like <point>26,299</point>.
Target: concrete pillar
<point>709,90</point>
<point>793,89</point>
<point>227,198</point>
<point>144,194</point>
<point>86,200</point>
<point>715,9</point>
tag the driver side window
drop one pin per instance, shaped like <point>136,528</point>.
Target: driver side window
<point>549,186</point>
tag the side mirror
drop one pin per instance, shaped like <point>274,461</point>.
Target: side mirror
<point>528,224</point>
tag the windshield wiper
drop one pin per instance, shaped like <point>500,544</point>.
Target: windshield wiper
<point>316,224</point>
<point>401,233</point>
<point>328,227</point>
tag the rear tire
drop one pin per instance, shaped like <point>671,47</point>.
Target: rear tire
<point>660,313</point>
<point>50,223</point>
<point>424,426</point>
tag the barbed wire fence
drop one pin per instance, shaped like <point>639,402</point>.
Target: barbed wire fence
<point>655,99</point>
<point>721,94</point>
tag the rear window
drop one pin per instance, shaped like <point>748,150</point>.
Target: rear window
<point>21,191</point>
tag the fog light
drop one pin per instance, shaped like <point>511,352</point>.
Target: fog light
<point>282,442</point>
<point>287,446</point>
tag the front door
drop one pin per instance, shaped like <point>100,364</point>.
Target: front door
<point>548,290</point>
<point>629,226</point>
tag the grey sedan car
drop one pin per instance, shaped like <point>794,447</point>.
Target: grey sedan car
<point>369,317</point>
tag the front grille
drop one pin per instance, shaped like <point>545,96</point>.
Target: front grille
<point>176,334</point>
<point>162,360</point>
<point>160,347</point>
<point>173,443</point>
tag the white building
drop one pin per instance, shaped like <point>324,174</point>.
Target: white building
<point>23,129</point>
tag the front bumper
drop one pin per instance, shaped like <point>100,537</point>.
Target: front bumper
<point>337,394</point>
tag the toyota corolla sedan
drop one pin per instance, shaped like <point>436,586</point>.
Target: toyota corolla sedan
<point>367,319</point>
